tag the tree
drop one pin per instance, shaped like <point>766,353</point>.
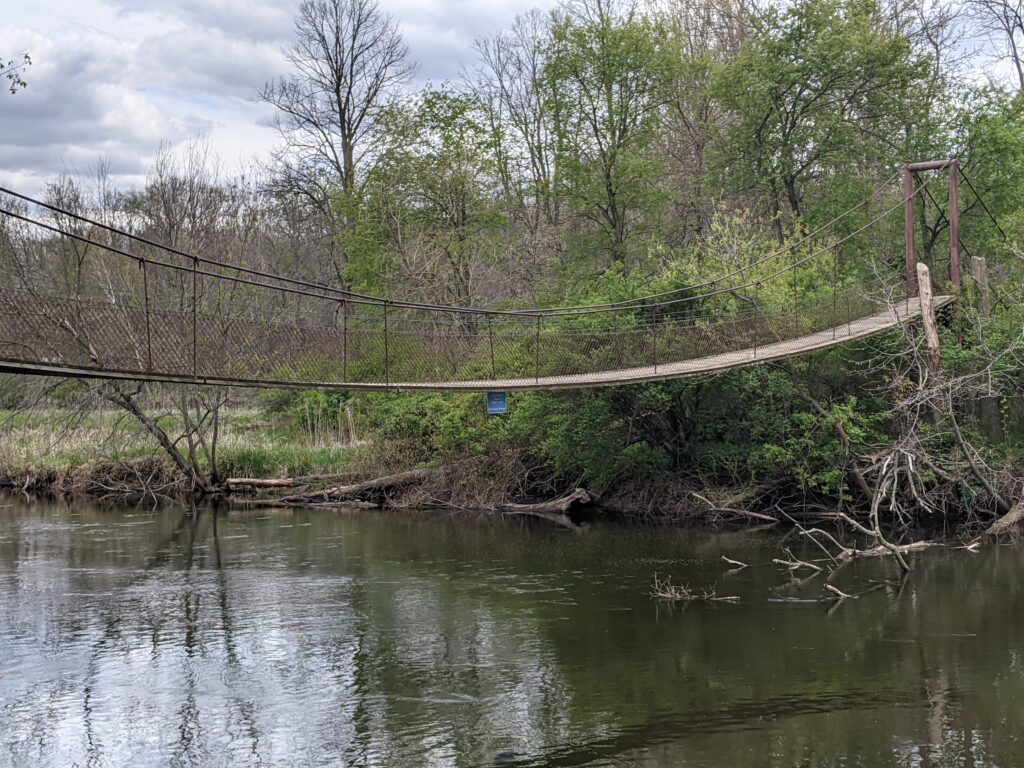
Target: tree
<point>608,79</point>
<point>348,60</point>
<point>12,71</point>
<point>430,204</point>
<point>821,87</point>
<point>1004,19</point>
<point>510,86</point>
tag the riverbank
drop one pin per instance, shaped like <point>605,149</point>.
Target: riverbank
<point>300,456</point>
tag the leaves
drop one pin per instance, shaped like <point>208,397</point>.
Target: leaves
<point>13,69</point>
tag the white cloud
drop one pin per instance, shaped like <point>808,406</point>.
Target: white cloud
<point>115,78</point>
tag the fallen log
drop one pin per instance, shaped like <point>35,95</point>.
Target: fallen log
<point>255,482</point>
<point>884,551</point>
<point>556,511</point>
<point>578,498</point>
<point>376,491</point>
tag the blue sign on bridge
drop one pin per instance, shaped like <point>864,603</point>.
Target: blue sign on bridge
<point>497,403</point>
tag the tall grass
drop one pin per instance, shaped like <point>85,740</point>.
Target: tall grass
<point>250,444</point>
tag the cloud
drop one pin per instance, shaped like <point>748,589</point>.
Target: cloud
<point>262,21</point>
<point>115,78</point>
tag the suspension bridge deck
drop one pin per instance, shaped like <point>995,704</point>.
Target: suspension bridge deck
<point>863,328</point>
<point>82,298</point>
<point>855,329</point>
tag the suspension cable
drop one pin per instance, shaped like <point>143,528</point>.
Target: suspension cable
<point>305,288</point>
<point>640,300</point>
<point>983,205</point>
<point>782,271</point>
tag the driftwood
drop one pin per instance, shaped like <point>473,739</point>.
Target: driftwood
<point>556,511</point>
<point>375,491</point>
<point>578,498</point>
<point>729,510</point>
<point>665,589</point>
<point>794,564</point>
<point>738,566</point>
<point>838,592</point>
<point>255,482</point>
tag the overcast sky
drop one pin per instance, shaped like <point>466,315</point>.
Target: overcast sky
<point>114,78</point>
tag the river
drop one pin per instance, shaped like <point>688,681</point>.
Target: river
<point>313,637</point>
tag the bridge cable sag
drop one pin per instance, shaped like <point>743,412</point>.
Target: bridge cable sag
<point>436,308</point>
<point>553,311</point>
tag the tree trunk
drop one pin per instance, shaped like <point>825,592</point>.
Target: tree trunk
<point>375,491</point>
<point>931,328</point>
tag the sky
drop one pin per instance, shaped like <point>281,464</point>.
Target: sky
<point>113,79</point>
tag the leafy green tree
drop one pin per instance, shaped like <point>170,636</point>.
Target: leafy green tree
<point>822,87</point>
<point>430,210</point>
<point>608,75</point>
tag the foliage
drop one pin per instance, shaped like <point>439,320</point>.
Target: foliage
<point>607,151</point>
<point>12,71</point>
<point>822,84</point>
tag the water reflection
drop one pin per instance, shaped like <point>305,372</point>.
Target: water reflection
<point>325,638</point>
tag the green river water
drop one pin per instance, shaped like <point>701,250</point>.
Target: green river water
<point>312,637</point>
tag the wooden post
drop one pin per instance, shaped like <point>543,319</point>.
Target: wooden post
<point>931,328</point>
<point>908,229</point>
<point>979,266</point>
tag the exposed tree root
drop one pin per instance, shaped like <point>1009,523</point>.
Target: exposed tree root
<point>1011,523</point>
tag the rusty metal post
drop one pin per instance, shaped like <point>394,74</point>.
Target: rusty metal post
<point>195,316</point>
<point>490,341</point>
<point>954,224</point>
<point>910,277</point>
<point>387,354</point>
<point>145,299</point>
<point>654,334</point>
<point>536,352</point>
<point>758,308</point>
<point>344,340</point>
<point>835,289</point>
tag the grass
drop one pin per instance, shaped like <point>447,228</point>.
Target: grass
<point>250,445</point>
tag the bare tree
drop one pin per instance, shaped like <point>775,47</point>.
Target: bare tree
<point>348,60</point>
<point>1004,19</point>
<point>509,83</point>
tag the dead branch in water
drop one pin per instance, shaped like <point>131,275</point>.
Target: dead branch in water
<point>664,589</point>
<point>736,563</point>
<point>838,592</point>
<point>733,511</point>
<point>1011,523</point>
<point>794,564</point>
<point>578,498</point>
<point>256,482</point>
